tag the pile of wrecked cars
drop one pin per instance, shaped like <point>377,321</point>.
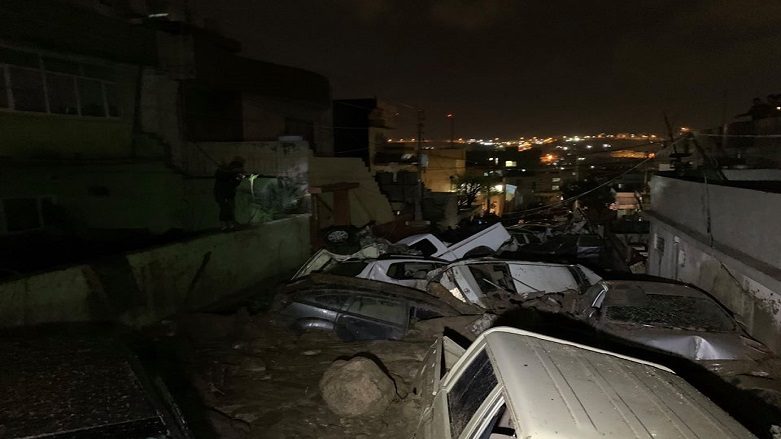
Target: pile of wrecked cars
<point>382,290</point>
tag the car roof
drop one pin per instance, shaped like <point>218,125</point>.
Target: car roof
<point>557,388</point>
<point>492,260</point>
<point>322,282</point>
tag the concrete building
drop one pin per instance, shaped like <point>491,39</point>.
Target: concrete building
<point>715,224</point>
<point>110,130</point>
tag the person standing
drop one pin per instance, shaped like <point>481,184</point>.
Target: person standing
<point>226,180</point>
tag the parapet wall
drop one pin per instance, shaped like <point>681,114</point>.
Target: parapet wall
<point>142,287</point>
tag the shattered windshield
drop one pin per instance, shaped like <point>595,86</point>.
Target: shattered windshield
<point>676,312</point>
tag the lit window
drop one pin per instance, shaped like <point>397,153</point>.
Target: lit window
<point>556,179</point>
<point>510,163</point>
<point>555,187</point>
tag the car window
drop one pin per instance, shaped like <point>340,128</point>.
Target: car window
<point>424,246</point>
<point>425,312</point>
<point>591,295</point>
<point>332,301</point>
<point>347,268</point>
<point>500,425</point>
<point>469,391</point>
<point>381,309</point>
<point>492,277</point>
<point>407,270</point>
<point>677,312</point>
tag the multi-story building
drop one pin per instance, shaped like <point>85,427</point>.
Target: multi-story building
<point>113,127</point>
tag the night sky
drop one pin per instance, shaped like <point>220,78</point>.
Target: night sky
<point>509,68</point>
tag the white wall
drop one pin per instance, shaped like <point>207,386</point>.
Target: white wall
<point>746,291</point>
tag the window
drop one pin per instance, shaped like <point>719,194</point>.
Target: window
<point>91,96</point>
<point>425,312</point>
<point>510,163</point>
<point>348,268</point>
<point>22,214</point>
<point>381,309</point>
<point>555,187</point>
<point>469,392</point>
<point>424,246</point>
<point>27,89</point>
<point>659,244</point>
<point>3,90</point>
<point>407,270</point>
<point>492,277</point>
<point>332,301</point>
<point>62,94</point>
<point>31,82</point>
<point>556,179</point>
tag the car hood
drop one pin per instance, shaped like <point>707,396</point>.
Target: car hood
<point>693,345</point>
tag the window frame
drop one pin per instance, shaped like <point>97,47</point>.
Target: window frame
<point>41,68</point>
<point>462,367</point>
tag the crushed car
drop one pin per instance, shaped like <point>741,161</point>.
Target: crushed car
<point>488,240</point>
<point>512,383</point>
<point>358,309</point>
<point>405,270</point>
<point>668,317</point>
<point>493,283</point>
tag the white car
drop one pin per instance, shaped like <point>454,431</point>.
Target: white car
<point>490,239</point>
<point>516,384</point>
<point>471,280</point>
<point>400,270</point>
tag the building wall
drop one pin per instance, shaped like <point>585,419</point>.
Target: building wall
<point>35,135</point>
<point>443,166</point>
<point>744,290</point>
<point>735,219</point>
<point>725,241</point>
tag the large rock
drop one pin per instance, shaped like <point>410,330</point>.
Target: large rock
<point>356,387</point>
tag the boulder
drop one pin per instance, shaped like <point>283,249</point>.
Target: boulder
<point>356,387</point>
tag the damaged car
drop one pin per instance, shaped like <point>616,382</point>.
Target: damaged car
<point>357,309</point>
<point>668,317</point>
<point>512,383</point>
<point>484,281</point>
<point>488,240</point>
<point>405,270</point>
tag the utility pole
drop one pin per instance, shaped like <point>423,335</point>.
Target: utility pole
<point>419,150</point>
<point>452,118</point>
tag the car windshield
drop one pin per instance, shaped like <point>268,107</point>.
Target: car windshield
<point>676,312</point>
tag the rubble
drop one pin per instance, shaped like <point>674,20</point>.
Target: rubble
<point>356,387</point>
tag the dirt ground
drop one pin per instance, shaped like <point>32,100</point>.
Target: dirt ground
<point>255,379</point>
<point>258,380</point>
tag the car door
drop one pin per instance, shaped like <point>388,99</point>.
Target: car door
<point>370,317</point>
